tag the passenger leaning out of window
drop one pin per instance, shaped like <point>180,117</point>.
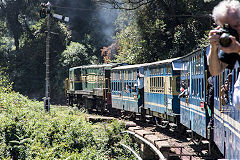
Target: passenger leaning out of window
<point>225,49</point>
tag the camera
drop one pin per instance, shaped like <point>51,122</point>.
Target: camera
<point>225,32</point>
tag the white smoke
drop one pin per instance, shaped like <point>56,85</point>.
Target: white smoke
<point>108,16</point>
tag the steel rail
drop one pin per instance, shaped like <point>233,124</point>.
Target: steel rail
<point>160,155</point>
<point>130,149</point>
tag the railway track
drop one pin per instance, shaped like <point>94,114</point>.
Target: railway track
<point>171,144</point>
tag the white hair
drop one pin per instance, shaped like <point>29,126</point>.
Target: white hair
<point>223,8</point>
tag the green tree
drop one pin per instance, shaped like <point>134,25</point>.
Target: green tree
<point>161,29</point>
<point>76,55</point>
<point>17,13</point>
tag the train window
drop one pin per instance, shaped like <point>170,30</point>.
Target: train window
<point>170,80</point>
<point>177,83</point>
<point>198,83</point>
<point>150,84</point>
<point>202,86</point>
<point>169,69</point>
<point>217,86</point>
<point>201,65</point>
<point>158,84</point>
<point>115,82</point>
<point>198,65</point>
<point>126,75</point>
<point>112,85</point>
<point>194,87</point>
<point>194,66</point>
<point>118,81</point>
<point>162,82</point>
<point>120,85</point>
<point>153,84</point>
<point>131,75</point>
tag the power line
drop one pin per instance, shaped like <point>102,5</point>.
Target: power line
<point>82,9</point>
<point>179,15</point>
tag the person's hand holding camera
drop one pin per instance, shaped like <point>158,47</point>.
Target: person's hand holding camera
<point>213,37</point>
<point>233,48</point>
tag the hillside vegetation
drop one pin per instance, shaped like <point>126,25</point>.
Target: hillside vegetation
<point>27,132</point>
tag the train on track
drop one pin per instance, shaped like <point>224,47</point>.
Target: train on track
<point>177,93</point>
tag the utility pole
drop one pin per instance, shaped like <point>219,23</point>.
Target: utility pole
<point>45,12</point>
<point>47,94</point>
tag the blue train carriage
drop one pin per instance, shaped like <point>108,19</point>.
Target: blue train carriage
<point>125,89</point>
<point>195,115</point>
<point>226,115</point>
<point>89,86</point>
<point>161,90</point>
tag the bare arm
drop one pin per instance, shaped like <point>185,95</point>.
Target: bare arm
<point>215,65</point>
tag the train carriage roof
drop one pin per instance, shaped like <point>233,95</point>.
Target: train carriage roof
<point>105,65</point>
<point>120,66</point>
<point>145,64</point>
<point>128,67</point>
<point>206,48</point>
<point>160,62</point>
<point>179,63</point>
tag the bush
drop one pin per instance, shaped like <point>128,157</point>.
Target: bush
<point>28,132</point>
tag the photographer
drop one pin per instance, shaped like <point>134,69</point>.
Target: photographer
<point>226,12</point>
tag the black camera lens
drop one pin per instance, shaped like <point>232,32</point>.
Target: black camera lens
<point>225,40</point>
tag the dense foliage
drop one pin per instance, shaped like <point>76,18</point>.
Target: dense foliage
<point>161,29</point>
<point>27,132</point>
